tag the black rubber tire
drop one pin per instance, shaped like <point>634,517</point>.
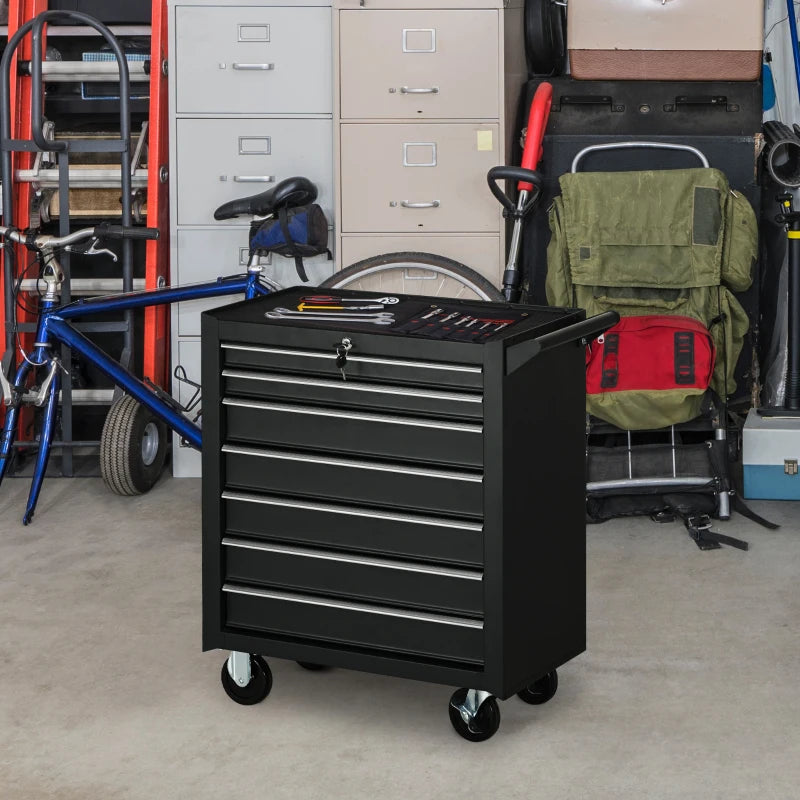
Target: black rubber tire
<point>122,463</point>
<point>311,667</point>
<point>259,687</point>
<point>485,724</point>
<point>385,262</point>
<point>541,690</point>
<point>545,37</point>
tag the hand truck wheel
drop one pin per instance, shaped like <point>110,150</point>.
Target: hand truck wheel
<point>474,714</point>
<point>133,447</point>
<point>255,690</point>
<point>541,690</point>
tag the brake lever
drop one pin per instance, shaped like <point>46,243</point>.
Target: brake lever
<point>92,250</point>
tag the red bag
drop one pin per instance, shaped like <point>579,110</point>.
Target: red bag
<point>662,363</point>
<point>651,353</point>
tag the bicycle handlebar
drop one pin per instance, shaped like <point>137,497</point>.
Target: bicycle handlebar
<point>103,231</point>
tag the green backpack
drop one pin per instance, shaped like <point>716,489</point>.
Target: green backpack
<point>655,243</point>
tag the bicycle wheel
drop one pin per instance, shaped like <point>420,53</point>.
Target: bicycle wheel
<point>414,273</point>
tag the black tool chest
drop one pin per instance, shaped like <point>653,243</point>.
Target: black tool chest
<point>417,512</point>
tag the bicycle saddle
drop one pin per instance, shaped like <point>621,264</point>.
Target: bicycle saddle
<point>288,193</point>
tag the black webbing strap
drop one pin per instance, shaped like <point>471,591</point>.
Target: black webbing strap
<point>298,259</point>
<point>610,375</point>
<point>684,358</point>
<point>699,528</point>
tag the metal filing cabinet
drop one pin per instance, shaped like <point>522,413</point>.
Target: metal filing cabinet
<point>251,104</point>
<point>423,518</point>
<point>425,100</point>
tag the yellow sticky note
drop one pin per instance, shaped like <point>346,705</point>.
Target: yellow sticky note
<point>485,140</point>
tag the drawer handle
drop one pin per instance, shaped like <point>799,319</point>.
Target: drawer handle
<point>253,67</point>
<point>254,178</point>
<point>408,90</point>
<point>346,605</point>
<point>408,204</point>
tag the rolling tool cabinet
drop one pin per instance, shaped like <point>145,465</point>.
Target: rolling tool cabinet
<point>412,508</point>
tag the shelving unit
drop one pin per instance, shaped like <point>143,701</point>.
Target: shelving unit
<point>70,192</point>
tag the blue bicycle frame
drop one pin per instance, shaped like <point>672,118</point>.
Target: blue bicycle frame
<point>54,326</point>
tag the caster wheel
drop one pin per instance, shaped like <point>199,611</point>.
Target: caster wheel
<point>255,691</point>
<point>133,447</point>
<point>311,667</point>
<point>485,723</point>
<point>540,691</point>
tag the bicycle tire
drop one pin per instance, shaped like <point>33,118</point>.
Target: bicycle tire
<point>389,273</point>
<point>545,37</point>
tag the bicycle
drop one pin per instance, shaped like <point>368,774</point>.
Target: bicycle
<point>133,443</point>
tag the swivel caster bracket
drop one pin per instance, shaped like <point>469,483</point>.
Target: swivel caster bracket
<point>239,668</point>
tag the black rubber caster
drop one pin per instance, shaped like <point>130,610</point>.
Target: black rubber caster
<point>311,666</point>
<point>485,723</point>
<point>255,691</point>
<point>540,691</point>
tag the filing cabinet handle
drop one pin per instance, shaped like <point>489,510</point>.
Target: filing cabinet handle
<point>253,67</point>
<point>432,204</point>
<point>408,90</point>
<point>254,178</point>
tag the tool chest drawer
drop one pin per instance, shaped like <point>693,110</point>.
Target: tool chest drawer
<point>352,576</point>
<point>411,503</point>
<point>439,539</point>
<point>433,178</point>
<point>433,63</point>
<point>360,367</point>
<point>241,157</point>
<point>354,623</point>
<point>352,394</point>
<point>321,428</point>
<point>373,483</point>
<point>237,59</point>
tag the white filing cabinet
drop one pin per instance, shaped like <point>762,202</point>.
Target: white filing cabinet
<point>251,104</point>
<point>426,95</point>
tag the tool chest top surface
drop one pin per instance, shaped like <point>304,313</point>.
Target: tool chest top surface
<point>493,321</point>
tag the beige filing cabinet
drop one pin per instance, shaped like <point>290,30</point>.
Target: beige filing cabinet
<point>250,104</point>
<point>425,99</point>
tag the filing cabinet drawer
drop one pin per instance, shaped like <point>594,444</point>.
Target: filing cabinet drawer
<point>372,434</point>
<point>205,254</point>
<point>432,64</point>
<point>354,623</point>
<point>245,60</point>
<point>360,366</point>
<point>373,483</point>
<point>341,526</point>
<point>481,253</point>
<point>351,394</point>
<point>418,178</point>
<point>354,576</point>
<point>223,159</point>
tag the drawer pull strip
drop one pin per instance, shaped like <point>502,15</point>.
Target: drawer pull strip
<point>345,462</point>
<point>353,386</point>
<point>254,179</point>
<point>345,605</point>
<point>427,90</point>
<point>396,362</point>
<point>253,67</point>
<point>329,555</point>
<point>416,422</point>
<point>353,511</point>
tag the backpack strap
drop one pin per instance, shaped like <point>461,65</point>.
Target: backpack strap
<point>298,259</point>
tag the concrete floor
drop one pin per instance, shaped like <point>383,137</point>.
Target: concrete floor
<point>688,688</point>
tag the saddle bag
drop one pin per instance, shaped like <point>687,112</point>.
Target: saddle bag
<point>649,371</point>
<point>296,233</point>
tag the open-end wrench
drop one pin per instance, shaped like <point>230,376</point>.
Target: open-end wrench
<point>383,318</point>
<point>323,299</point>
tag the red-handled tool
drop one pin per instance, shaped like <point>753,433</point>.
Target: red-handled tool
<point>529,184</point>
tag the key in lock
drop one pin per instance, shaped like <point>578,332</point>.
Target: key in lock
<point>342,349</point>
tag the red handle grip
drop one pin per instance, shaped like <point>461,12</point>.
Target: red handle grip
<point>537,122</point>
